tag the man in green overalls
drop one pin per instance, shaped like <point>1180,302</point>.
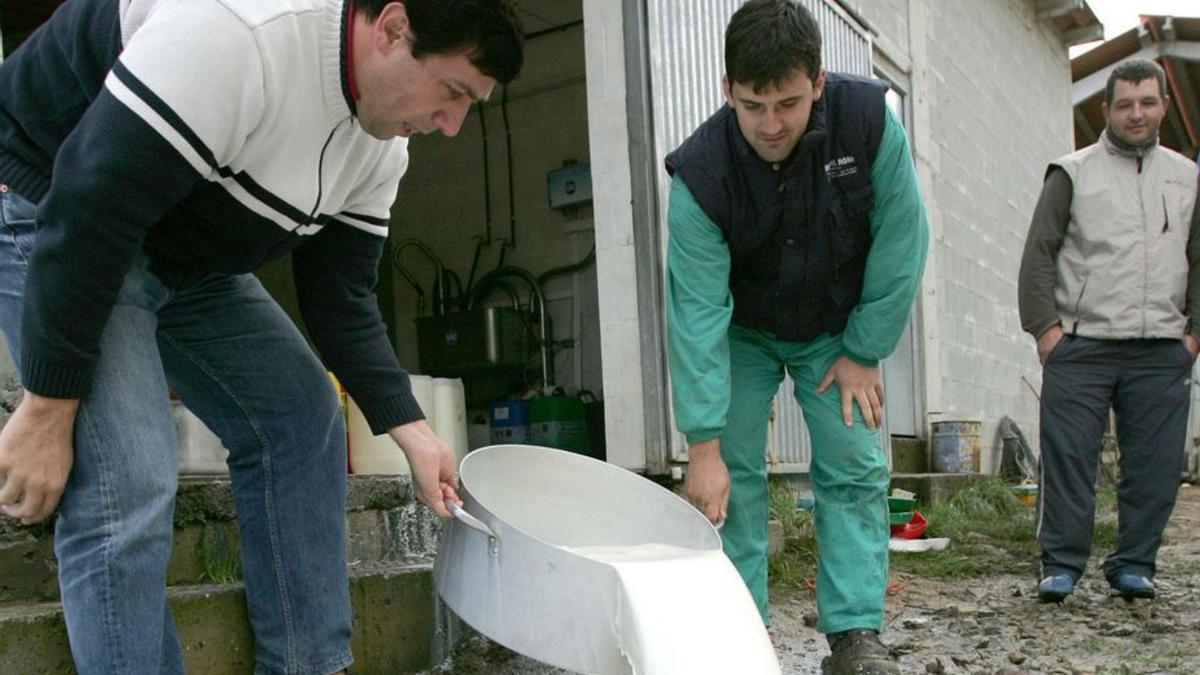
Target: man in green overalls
<point>797,241</point>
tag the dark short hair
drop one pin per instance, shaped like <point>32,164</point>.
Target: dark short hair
<point>767,40</point>
<point>1136,70</point>
<point>489,31</point>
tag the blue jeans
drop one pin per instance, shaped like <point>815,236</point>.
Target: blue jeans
<point>239,363</point>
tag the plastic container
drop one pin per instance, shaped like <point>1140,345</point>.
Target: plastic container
<point>510,422</point>
<point>956,446</point>
<point>913,529</point>
<point>450,415</point>
<point>900,517</point>
<point>423,391</point>
<point>917,545</point>
<point>559,422</point>
<point>899,504</point>
<point>200,450</point>
<point>479,432</point>
<point>371,454</point>
<point>1027,493</point>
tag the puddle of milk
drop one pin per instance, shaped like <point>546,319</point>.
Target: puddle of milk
<point>685,612</point>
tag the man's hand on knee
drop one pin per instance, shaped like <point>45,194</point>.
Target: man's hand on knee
<point>858,384</point>
<point>36,453</point>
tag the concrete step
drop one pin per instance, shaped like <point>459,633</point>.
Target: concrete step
<point>935,488</point>
<point>909,455</point>
<point>399,627</point>
<point>384,523</point>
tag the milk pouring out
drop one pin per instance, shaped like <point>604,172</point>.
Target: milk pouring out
<point>684,611</point>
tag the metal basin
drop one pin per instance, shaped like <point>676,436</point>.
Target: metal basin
<point>503,566</point>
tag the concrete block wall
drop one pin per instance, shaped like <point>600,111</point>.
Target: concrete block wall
<point>1002,110</point>
<point>992,106</point>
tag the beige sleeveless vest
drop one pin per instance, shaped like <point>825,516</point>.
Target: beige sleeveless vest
<point>1122,268</point>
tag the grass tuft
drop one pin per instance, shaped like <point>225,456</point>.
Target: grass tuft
<point>990,532</point>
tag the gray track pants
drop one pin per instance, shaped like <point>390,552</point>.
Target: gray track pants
<point>1148,383</point>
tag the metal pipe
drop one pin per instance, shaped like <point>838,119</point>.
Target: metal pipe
<point>439,301</point>
<point>543,321</point>
<point>512,207</point>
<point>553,29</point>
<point>487,185</point>
<point>567,269</point>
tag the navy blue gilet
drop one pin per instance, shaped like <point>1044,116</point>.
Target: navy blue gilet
<point>798,231</point>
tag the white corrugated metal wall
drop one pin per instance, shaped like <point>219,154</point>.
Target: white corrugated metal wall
<point>686,63</point>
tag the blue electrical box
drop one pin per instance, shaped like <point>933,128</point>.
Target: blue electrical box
<point>570,186</point>
<point>510,422</point>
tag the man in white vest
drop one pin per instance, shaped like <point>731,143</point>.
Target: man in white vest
<point>1110,288</point>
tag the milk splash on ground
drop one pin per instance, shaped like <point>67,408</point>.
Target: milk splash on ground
<point>684,612</point>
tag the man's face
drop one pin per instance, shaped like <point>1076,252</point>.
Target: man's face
<point>1136,110</point>
<point>774,119</point>
<point>402,96</point>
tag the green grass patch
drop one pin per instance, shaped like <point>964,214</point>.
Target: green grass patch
<point>219,558</point>
<point>798,561</point>
<point>990,532</point>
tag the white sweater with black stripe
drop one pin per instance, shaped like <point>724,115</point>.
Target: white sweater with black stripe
<point>215,135</point>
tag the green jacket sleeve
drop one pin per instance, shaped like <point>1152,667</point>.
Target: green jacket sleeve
<point>900,241</point>
<point>699,307</point>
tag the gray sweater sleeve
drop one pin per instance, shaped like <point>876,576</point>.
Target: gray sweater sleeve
<point>1035,283</point>
<point>1192,306</point>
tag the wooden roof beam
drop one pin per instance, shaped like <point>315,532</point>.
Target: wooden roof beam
<point>1093,84</point>
<point>1081,121</point>
<point>1178,83</point>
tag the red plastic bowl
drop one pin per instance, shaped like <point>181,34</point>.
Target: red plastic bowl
<point>913,529</point>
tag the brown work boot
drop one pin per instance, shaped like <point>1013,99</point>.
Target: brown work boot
<point>858,652</point>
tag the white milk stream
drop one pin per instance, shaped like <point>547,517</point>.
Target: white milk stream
<point>684,612</point>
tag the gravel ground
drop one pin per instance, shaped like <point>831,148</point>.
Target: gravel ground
<point>990,624</point>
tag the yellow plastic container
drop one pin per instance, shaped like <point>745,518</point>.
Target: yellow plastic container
<point>1026,493</point>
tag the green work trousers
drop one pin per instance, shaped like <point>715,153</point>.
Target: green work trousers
<point>849,477</point>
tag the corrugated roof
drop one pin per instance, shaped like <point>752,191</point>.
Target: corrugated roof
<point>1174,42</point>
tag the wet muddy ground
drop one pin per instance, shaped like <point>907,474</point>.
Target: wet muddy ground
<point>991,624</point>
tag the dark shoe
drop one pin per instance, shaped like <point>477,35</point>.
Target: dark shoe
<point>1131,586</point>
<point>858,652</point>
<point>1055,588</point>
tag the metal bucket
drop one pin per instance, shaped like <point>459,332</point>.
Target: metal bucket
<point>955,446</point>
<point>502,566</point>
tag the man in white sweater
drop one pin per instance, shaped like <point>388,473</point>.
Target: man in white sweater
<point>152,154</point>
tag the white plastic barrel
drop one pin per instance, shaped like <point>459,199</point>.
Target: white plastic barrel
<point>200,450</point>
<point>370,453</point>
<point>450,415</point>
<point>422,389</point>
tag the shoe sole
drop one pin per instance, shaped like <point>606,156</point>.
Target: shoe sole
<point>1130,596</point>
<point>827,669</point>
<point>1047,598</point>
